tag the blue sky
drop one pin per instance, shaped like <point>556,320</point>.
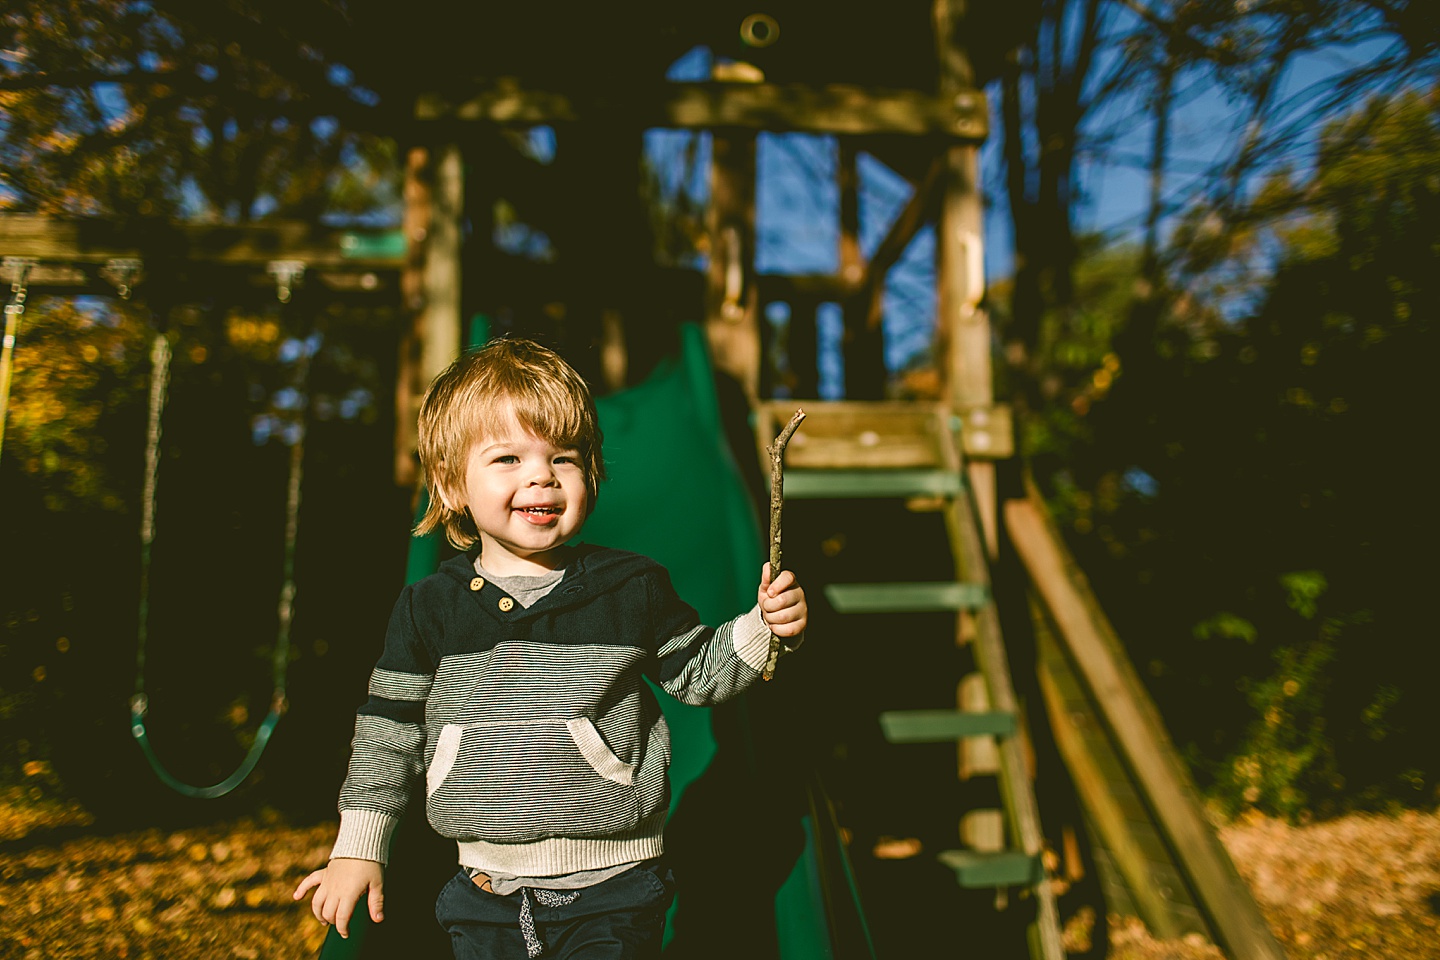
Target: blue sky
<point>796,196</point>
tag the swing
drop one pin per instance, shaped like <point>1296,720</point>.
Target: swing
<point>287,274</point>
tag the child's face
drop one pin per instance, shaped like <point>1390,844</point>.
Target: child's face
<point>526,496</point>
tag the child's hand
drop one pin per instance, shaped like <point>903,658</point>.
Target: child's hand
<point>340,886</point>
<point>782,603</point>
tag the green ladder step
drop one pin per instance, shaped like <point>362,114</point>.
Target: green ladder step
<point>938,726</point>
<point>848,484</point>
<point>1004,868</point>
<point>906,597</point>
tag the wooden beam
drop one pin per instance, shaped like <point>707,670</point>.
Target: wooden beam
<point>71,241</point>
<point>811,287</point>
<point>732,323</point>
<point>1139,731</point>
<point>1155,886</point>
<point>1017,790</point>
<point>837,109</point>
<point>922,204</point>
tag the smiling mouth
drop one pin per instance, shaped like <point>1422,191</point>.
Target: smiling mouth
<point>539,511</point>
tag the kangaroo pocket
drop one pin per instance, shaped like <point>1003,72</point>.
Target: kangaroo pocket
<point>511,782</point>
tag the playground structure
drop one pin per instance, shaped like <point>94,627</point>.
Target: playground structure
<point>937,464</point>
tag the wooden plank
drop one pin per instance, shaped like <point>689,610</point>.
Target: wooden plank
<point>807,287</point>
<point>1235,919</point>
<point>941,726</point>
<point>857,434</point>
<point>835,108</point>
<point>1086,766</point>
<point>905,597</point>
<point>920,208</point>
<point>866,450</point>
<point>885,433</point>
<point>79,241</point>
<point>986,431</point>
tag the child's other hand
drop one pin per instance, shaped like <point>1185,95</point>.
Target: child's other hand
<point>782,603</point>
<point>340,886</point>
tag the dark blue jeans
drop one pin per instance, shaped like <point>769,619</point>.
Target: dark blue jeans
<point>622,918</point>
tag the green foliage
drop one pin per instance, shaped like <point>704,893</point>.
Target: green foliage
<point>119,108</point>
<point>1250,495</point>
<point>1286,758</point>
<point>75,368</point>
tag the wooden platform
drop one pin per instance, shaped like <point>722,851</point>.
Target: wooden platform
<point>884,434</point>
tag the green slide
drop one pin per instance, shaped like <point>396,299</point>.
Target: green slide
<point>760,869</point>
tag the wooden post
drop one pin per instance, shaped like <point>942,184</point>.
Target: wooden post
<point>430,287</point>
<point>803,348</point>
<point>863,344</point>
<point>963,324</point>
<point>852,264</point>
<point>961,263</point>
<point>963,330</point>
<point>442,264</point>
<point>731,314</point>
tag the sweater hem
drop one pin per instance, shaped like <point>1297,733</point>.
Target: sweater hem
<point>557,856</point>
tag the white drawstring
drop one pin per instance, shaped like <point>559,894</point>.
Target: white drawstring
<point>547,898</point>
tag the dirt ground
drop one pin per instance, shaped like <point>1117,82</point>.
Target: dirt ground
<point>1355,887</point>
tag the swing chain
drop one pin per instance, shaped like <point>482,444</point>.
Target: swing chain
<point>287,275</point>
<point>17,271</point>
<point>160,355</point>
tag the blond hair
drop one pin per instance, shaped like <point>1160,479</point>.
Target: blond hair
<point>543,392</point>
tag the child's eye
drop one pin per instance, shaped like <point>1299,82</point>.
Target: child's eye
<point>507,458</point>
<point>568,459</point>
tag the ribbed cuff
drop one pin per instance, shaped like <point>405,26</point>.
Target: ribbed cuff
<point>751,636</point>
<point>365,835</point>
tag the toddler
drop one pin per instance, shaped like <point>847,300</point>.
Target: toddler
<point>513,680</point>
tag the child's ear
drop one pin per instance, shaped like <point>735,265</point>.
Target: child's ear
<point>440,492</point>
<point>447,499</point>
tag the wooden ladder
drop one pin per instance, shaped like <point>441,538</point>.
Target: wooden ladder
<point>912,451</point>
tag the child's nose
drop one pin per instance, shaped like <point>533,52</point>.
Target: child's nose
<point>543,475</point>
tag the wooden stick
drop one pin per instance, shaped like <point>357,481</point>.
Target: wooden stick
<point>776,450</point>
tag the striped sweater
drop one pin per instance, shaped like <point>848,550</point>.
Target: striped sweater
<point>543,750</point>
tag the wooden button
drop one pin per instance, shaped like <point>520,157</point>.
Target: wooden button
<point>506,604</point>
<point>477,583</point>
